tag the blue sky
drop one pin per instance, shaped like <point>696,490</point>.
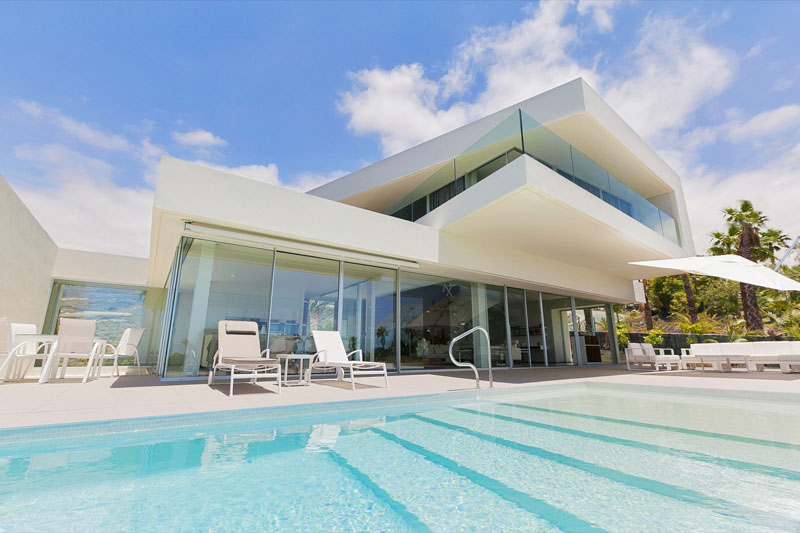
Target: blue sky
<point>91,95</point>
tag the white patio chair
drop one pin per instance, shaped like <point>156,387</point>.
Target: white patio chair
<point>332,355</point>
<point>6,345</point>
<point>782,353</point>
<point>128,347</point>
<point>239,353</point>
<point>75,341</point>
<point>23,354</point>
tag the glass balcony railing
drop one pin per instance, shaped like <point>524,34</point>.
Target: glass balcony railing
<point>516,135</point>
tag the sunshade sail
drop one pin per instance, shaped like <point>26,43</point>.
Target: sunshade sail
<point>731,267</point>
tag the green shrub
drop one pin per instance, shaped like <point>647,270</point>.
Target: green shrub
<point>655,337</point>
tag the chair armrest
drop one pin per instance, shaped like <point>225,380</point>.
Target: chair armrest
<point>663,351</point>
<point>214,360</point>
<point>686,352</point>
<point>359,352</point>
<point>317,357</point>
<point>265,353</point>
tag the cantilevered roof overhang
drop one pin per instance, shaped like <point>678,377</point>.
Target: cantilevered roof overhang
<point>528,207</point>
<point>573,111</point>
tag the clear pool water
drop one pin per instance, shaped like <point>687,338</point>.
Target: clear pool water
<point>569,458</point>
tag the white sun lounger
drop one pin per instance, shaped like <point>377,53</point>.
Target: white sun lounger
<point>240,354</point>
<point>331,354</point>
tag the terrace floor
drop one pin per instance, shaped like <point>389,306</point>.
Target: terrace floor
<point>27,403</point>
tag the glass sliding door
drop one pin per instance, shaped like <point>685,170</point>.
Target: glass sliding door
<point>595,324</point>
<point>518,326</point>
<point>305,298</point>
<point>368,312</point>
<point>433,311</point>
<point>217,281</point>
<point>557,321</point>
<point>536,329</point>
<point>495,324</point>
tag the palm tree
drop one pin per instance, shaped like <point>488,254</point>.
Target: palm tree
<point>772,240</point>
<point>742,235</point>
<point>691,303</point>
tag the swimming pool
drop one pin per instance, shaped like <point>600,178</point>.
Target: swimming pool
<point>583,457</point>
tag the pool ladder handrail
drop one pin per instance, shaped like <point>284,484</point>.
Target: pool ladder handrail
<point>470,365</point>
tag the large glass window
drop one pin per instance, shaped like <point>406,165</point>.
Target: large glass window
<point>217,281</point>
<point>518,326</point>
<point>114,308</point>
<point>305,299</point>
<point>536,329</point>
<point>595,327</point>
<point>433,311</point>
<point>558,328</point>
<point>495,323</point>
<point>368,312</point>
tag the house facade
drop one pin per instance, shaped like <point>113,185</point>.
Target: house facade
<point>522,222</point>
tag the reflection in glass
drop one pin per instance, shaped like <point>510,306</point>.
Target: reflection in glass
<point>536,329</point>
<point>518,326</point>
<point>368,312</point>
<point>594,323</point>
<point>433,311</point>
<point>495,323</point>
<point>558,326</point>
<point>305,299</point>
<point>217,281</point>
<point>114,308</point>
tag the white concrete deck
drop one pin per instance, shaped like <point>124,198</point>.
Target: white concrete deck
<point>28,403</point>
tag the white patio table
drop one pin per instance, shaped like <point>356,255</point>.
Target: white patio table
<point>303,380</point>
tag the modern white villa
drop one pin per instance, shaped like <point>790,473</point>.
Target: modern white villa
<point>522,222</point>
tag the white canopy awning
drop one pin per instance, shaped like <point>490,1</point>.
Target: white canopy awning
<point>731,267</point>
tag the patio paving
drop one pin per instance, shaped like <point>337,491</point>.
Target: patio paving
<point>28,403</point>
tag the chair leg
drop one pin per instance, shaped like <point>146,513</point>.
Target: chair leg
<point>231,389</point>
<point>138,366</point>
<point>88,368</point>
<point>211,376</point>
<point>385,376</point>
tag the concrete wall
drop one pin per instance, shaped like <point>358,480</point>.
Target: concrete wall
<point>27,256</point>
<point>93,267</point>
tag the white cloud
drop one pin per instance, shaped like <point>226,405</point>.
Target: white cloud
<point>670,73</point>
<point>80,130</point>
<point>772,188</point>
<point>269,174</point>
<point>198,138</point>
<point>403,106</point>
<point>765,124</point>
<point>600,10</point>
<point>675,71</point>
<point>82,207</point>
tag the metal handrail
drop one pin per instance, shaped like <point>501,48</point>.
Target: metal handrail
<point>470,365</point>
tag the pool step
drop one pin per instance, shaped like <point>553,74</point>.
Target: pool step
<point>771,490</point>
<point>428,494</point>
<point>619,501</point>
<point>734,447</point>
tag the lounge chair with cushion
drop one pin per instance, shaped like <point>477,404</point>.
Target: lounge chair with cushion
<point>332,355</point>
<point>240,354</point>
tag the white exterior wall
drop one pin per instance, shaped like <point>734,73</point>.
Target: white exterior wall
<point>93,267</point>
<point>26,261</point>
